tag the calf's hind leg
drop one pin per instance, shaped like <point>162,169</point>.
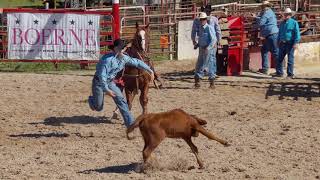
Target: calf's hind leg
<point>195,151</point>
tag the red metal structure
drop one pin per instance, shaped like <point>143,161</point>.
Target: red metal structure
<point>236,46</point>
<point>116,18</point>
<point>109,30</point>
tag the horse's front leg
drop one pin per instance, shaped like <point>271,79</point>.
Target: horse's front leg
<point>129,96</point>
<point>159,79</point>
<point>144,98</point>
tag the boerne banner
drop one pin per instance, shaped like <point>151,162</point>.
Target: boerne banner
<point>53,36</point>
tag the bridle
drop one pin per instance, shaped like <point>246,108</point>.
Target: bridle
<point>142,57</point>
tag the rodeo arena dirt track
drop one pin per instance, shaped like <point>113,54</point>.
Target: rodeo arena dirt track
<point>48,131</point>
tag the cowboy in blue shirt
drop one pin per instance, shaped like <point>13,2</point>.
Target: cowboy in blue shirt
<point>267,22</point>
<point>207,43</point>
<point>289,37</point>
<point>102,83</point>
<point>212,20</point>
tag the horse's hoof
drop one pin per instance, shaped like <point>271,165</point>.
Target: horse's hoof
<point>130,138</point>
<point>115,116</point>
<point>160,86</point>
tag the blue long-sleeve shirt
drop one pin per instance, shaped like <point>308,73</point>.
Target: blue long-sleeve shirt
<point>109,66</point>
<point>213,21</point>
<point>267,23</point>
<point>289,31</point>
<point>207,36</point>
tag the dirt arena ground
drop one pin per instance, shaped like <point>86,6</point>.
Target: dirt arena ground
<point>47,130</point>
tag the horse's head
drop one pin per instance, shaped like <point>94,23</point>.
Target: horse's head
<point>140,37</point>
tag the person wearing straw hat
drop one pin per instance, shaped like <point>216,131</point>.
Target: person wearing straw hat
<point>207,44</point>
<point>102,83</point>
<point>267,22</point>
<point>289,37</point>
<point>214,22</point>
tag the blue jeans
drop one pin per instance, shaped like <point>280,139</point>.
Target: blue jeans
<point>270,44</point>
<point>286,49</point>
<point>97,100</point>
<point>206,58</point>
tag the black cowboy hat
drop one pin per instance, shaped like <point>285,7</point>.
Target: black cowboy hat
<point>117,43</point>
<point>206,8</point>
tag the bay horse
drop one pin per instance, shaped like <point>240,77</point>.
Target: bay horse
<point>136,79</point>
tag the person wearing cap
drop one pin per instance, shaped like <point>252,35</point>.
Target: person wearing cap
<point>267,22</point>
<point>213,21</point>
<point>304,22</point>
<point>207,43</point>
<point>289,37</point>
<point>106,70</point>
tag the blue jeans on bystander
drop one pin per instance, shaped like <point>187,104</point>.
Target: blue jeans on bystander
<point>286,49</point>
<point>270,44</point>
<point>206,57</point>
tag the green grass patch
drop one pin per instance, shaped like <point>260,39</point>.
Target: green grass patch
<point>20,3</point>
<point>159,57</point>
<point>40,67</point>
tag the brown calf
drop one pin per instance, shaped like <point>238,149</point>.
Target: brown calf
<point>176,123</point>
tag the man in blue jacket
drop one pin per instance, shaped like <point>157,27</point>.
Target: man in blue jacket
<point>211,20</point>
<point>267,22</point>
<point>289,37</point>
<point>102,83</point>
<point>207,43</point>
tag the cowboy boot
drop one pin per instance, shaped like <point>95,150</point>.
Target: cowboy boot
<point>197,82</point>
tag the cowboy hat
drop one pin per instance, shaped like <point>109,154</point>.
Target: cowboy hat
<point>203,15</point>
<point>288,11</point>
<point>206,8</point>
<point>117,43</point>
<point>266,3</point>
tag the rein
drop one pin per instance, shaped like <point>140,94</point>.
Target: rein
<point>135,76</point>
<point>139,74</point>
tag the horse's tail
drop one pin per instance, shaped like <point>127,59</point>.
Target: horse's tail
<point>134,125</point>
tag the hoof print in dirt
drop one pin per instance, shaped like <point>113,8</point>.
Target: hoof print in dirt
<point>225,169</point>
<point>232,113</point>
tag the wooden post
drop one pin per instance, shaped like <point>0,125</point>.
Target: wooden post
<point>194,10</point>
<point>170,40</point>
